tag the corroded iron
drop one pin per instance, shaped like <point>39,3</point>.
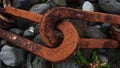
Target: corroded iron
<point>71,39</point>
<point>59,53</point>
<point>115,32</point>
<point>53,15</point>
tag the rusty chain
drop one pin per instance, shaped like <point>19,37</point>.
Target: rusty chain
<point>71,39</point>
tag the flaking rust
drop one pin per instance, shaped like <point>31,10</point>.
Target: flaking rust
<point>71,39</point>
<point>63,50</point>
<point>115,32</point>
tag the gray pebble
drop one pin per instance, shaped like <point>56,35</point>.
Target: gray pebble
<point>111,6</point>
<point>3,42</point>
<point>67,64</point>
<point>93,32</point>
<point>16,31</point>
<point>103,59</point>
<point>11,56</point>
<point>22,4</point>
<point>29,32</point>
<point>41,8</point>
<point>87,6</point>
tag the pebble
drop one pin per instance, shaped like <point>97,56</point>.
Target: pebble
<point>16,31</point>
<point>29,32</point>
<point>93,32</point>
<point>11,56</point>
<point>41,8</point>
<point>103,59</point>
<point>110,6</point>
<point>3,42</point>
<point>67,64</point>
<point>60,2</point>
<point>87,6</point>
<point>29,60</point>
<point>22,4</point>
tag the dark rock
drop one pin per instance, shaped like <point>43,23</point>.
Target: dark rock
<point>111,6</point>
<point>93,32</point>
<point>22,4</point>
<point>11,56</point>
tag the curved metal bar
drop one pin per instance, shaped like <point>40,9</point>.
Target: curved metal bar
<point>52,16</point>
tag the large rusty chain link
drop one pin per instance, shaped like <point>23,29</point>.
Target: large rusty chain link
<point>71,41</point>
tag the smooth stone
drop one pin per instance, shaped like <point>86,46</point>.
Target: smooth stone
<point>93,32</point>
<point>21,4</point>
<point>111,6</point>
<point>16,31</point>
<point>29,31</point>
<point>11,56</point>
<point>103,59</point>
<point>67,64</point>
<point>3,42</point>
<point>29,60</point>
<point>60,2</point>
<point>42,8</point>
<point>87,6</point>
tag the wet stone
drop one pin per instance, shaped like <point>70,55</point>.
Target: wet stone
<point>11,56</point>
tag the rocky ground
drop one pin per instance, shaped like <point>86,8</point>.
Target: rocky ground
<point>14,57</point>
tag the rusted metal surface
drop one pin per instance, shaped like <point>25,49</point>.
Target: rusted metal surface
<point>71,39</point>
<point>98,43</point>
<point>65,50</point>
<point>115,32</point>
<point>52,16</point>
